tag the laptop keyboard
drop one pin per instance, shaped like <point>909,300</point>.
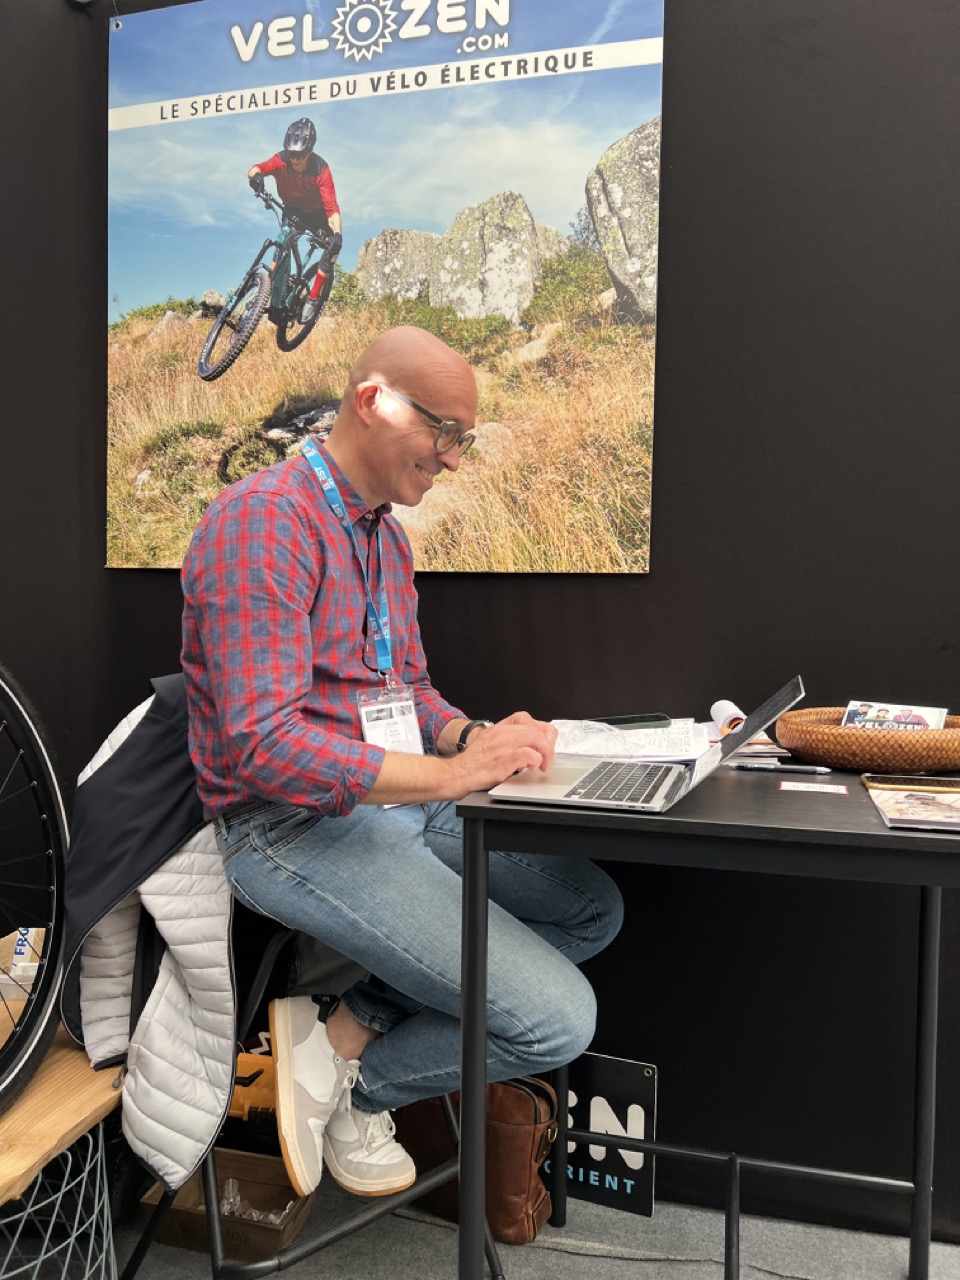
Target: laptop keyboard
<point>627,783</point>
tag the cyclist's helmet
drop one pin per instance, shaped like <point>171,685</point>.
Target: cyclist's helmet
<point>300,138</point>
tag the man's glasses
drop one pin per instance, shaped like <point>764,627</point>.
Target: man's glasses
<point>449,435</point>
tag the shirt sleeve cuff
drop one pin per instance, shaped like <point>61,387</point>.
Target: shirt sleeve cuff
<point>359,775</point>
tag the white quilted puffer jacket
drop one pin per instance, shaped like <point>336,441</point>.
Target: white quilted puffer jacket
<point>139,845</point>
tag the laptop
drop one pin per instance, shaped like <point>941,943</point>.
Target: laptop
<point>637,784</point>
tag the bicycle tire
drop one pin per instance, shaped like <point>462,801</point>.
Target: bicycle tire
<point>241,315</point>
<point>33,846</point>
<point>290,333</point>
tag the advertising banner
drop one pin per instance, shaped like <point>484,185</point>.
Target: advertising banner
<point>286,182</point>
<point>618,1097</point>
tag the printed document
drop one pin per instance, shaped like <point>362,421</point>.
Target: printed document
<point>681,740</point>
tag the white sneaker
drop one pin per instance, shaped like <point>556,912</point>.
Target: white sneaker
<point>360,1151</point>
<point>311,1079</point>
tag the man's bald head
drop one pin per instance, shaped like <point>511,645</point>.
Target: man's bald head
<point>403,386</point>
<point>412,360</point>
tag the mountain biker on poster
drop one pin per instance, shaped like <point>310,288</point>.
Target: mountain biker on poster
<point>305,185</point>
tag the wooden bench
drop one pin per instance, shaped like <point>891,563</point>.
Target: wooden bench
<point>66,1098</point>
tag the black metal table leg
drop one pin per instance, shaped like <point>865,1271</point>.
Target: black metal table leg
<point>558,1156</point>
<point>731,1225</point>
<point>493,1257</point>
<point>925,1088</point>
<point>473,1052</point>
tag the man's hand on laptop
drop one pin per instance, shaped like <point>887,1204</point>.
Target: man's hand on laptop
<point>494,754</point>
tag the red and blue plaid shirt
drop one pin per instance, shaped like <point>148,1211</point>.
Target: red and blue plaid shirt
<point>276,644</point>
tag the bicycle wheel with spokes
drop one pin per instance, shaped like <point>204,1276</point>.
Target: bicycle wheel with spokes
<point>290,332</point>
<point>235,325</point>
<point>33,844</point>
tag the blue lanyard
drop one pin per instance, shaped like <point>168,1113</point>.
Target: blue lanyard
<point>377,619</point>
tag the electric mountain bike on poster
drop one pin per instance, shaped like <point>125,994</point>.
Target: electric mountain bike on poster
<point>278,288</point>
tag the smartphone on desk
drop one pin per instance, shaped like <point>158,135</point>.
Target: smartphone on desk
<point>654,720</point>
<point>908,782</point>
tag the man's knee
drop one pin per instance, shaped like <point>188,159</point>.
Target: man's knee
<point>576,1026</point>
<point>563,1025</point>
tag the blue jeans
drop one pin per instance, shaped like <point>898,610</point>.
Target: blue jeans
<point>383,887</point>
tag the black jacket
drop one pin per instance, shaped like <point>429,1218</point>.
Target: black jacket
<point>129,816</point>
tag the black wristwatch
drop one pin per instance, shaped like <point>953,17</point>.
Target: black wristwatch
<point>468,728</point>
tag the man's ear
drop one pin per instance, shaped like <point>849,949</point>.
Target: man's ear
<point>365,397</point>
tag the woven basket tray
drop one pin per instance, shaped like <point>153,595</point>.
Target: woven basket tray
<point>815,735</point>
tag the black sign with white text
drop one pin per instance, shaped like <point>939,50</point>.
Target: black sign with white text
<point>619,1097</point>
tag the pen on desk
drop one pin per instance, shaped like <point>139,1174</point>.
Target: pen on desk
<point>782,768</point>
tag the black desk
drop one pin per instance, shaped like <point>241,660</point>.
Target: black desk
<point>733,821</point>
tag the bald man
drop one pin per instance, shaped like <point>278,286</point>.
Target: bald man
<point>330,765</point>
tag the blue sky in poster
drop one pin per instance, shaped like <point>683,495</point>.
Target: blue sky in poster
<point>182,218</point>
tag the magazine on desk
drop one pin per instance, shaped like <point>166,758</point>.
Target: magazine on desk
<point>916,802</point>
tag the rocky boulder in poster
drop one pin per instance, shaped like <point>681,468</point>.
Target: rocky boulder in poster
<point>550,243</point>
<point>488,262</point>
<point>623,194</point>
<point>397,262</point>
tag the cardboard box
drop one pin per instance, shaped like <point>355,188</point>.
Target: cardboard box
<point>263,1184</point>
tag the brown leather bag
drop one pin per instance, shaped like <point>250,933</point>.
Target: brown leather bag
<point>521,1127</point>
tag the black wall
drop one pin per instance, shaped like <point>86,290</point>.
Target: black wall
<point>805,519</point>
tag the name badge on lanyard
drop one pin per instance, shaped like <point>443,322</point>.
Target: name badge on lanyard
<point>389,719</point>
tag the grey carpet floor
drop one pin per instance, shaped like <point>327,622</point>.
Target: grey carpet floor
<point>679,1243</point>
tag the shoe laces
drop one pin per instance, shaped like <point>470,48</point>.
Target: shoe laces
<point>376,1128</point>
<point>352,1074</point>
<point>379,1130</point>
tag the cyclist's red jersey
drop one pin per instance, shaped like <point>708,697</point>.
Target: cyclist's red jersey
<point>312,189</point>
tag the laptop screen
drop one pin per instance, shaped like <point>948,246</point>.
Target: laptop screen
<point>763,716</point>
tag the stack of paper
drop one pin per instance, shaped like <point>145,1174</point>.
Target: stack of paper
<point>759,748</point>
<point>681,740</point>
